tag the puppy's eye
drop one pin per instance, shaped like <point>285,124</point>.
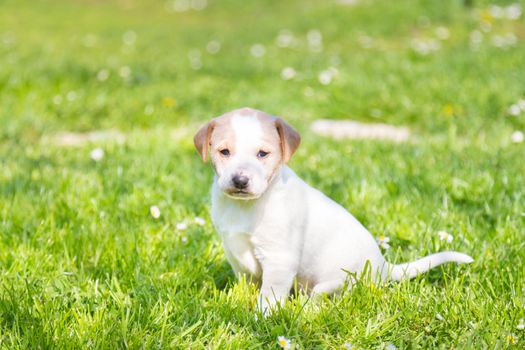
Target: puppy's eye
<point>225,152</point>
<point>262,154</point>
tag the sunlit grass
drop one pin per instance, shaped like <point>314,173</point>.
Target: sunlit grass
<point>106,242</point>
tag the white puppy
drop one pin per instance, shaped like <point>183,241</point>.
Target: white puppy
<point>275,228</point>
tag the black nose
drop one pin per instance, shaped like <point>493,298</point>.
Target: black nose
<point>240,181</point>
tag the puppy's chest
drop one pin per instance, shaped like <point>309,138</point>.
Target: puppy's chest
<point>229,219</point>
<point>236,226</point>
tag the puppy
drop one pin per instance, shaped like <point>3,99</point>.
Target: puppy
<point>274,227</point>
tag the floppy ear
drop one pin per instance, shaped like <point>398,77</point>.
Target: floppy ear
<point>290,139</point>
<point>202,139</point>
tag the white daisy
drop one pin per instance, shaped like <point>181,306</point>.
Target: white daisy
<point>476,37</point>
<point>180,5</point>
<point>350,346</point>
<point>445,236</point>
<point>154,211</point>
<point>382,241</point>
<point>517,137</point>
<point>149,109</point>
<point>181,226</point>
<point>503,41</point>
<point>57,99</point>
<point>258,50</point>
<point>513,12</point>
<point>71,96</point>
<point>97,154</point>
<point>124,72</point>
<point>315,40</point>
<point>365,41</point>
<point>514,110</point>
<point>213,47</point>
<point>288,73</point>
<point>199,4</point>
<point>496,11</point>
<point>103,75</point>
<point>326,77</point>
<point>308,91</point>
<point>90,40</point>
<point>442,33</point>
<point>425,46</point>
<point>129,38</point>
<point>194,56</point>
<point>283,342</point>
<point>199,221</point>
<point>285,38</point>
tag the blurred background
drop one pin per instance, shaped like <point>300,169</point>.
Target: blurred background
<point>88,65</point>
<point>105,235</point>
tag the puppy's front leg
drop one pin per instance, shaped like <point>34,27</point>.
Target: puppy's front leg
<point>277,280</point>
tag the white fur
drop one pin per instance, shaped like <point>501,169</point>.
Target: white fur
<point>294,232</point>
<point>247,129</point>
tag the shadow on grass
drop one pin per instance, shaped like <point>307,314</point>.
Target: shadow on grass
<point>222,273</point>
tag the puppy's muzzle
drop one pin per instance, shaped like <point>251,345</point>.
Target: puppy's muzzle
<point>240,181</point>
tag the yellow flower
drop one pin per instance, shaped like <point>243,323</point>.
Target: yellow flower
<point>485,16</point>
<point>169,274</point>
<point>512,339</point>
<point>448,109</point>
<point>169,102</point>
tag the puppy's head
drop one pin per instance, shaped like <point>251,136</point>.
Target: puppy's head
<point>246,148</point>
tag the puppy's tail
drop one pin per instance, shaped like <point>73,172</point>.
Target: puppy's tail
<point>412,269</point>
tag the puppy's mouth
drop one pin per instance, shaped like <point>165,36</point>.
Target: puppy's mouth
<point>240,194</point>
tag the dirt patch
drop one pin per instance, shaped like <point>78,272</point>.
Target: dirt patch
<point>77,139</point>
<point>349,129</point>
<point>183,132</point>
<point>348,2</point>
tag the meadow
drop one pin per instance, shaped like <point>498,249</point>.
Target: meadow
<point>105,236</point>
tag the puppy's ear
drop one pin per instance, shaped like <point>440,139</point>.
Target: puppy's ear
<point>290,139</point>
<point>202,139</point>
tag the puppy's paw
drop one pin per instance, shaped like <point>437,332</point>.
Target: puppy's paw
<point>263,307</point>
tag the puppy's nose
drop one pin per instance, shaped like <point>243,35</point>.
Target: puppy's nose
<point>240,181</point>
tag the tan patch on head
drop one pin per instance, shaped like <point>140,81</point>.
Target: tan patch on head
<point>290,139</point>
<point>215,130</point>
<point>219,134</point>
<point>223,137</point>
<point>246,143</point>
<point>223,131</point>
<point>201,140</point>
<point>269,130</point>
<point>276,131</point>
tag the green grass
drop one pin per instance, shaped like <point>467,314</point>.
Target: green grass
<point>84,265</point>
